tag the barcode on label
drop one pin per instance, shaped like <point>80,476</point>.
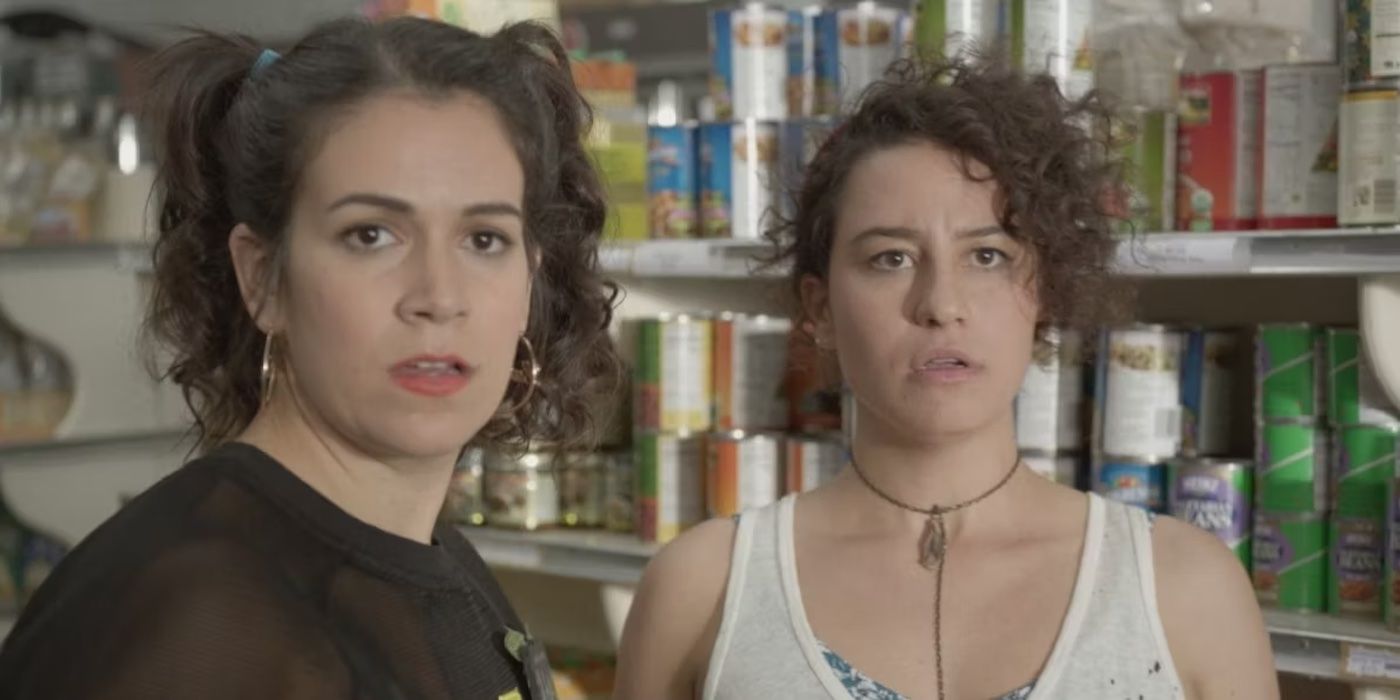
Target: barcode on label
<point>1385,196</point>
<point>1168,422</point>
<point>1366,662</point>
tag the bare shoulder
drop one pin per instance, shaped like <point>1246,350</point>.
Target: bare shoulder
<point>1209,613</point>
<point>675,615</point>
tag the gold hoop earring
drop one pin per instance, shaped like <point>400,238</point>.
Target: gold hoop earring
<point>268,378</point>
<point>530,376</point>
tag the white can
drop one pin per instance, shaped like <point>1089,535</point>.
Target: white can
<point>749,61</point>
<point>1062,469</point>
<point>1052,36</point>
<point>743,470</point>
<point>1139,391</point>
<point>750,356</point>
<point>1050,404</point>
<point>855,46</point>
<point>1370,142</point>
<point>740,178</point>
<point>812,460</point>
<point>1298,159</point>
<point>954,26</point>
<point>1384,37</point>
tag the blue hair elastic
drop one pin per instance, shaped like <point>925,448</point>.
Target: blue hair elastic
<point>265,59</point>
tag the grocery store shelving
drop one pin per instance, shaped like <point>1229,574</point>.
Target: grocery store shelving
<point>1324,252</point>
<point>133,256</point>
<point>592,555</point>
<point>12,449</point>
<point>1324,646</point>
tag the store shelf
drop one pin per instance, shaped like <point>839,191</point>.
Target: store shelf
<point>591,555</point>
<point>1323,646</point>
<point>1328,252</point>
<point>126,256</point>
<point>13,449</point>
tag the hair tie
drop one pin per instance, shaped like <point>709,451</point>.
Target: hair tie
<point>265,59</point>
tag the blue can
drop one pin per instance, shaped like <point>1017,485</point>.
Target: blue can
<point>749,62</point>
<point>1137,482</point>
<point>1207,385</point>
<point>803,96</point>
<point>672,188</point>
<point>740,178</point>
<point>854,47</point>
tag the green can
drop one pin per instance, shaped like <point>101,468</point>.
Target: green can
<point>1288,364</point>
<point>1217,496</point>
<point>1356,572</point>
<point>1354,395</point>
<point>1364,465</point>
<point>1290,561</point>
<point>1293,474</point>
<point>1147,148</point>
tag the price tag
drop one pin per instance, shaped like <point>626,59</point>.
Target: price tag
<point>1371,663</point>
<point>1196,254</point>
<point>615,258</point>
<point>672,259</point>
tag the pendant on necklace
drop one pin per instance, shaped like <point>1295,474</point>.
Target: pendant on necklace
<point>934,543</point>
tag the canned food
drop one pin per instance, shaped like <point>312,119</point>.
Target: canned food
<point>464,503</point>
<point>798,143</point>
<point>1371,40</point>
<point>670,484</point>
<point>1370,147</point>
<point>1366,461</point>
<point>1355,396</point>
<point>1357,570</point>
<point>750,353</point>
<point>1140,391</point>
<point>1391,605</point>
<point>739,178</point>
<point>813,400</point>
<point>672,175</point>
<point>1050,404</point>
<point>1217,187</point>
<point>953,27</point>
<point>521,491</point>
<point>812,460</point>
<point>1217,496</point>
<point>743,471</point>
<point>1292,468</point>
<point>673,373</point>
<point>854,47</point>
<point>583,489</point>
<point>1062,469</point>
<point>1052,36</point>
<point>1148,151</point>
<point>803,92</point>
<point>1141,483</point>
<point>749,62</point>
<point>1207,386</point>
<point>1298,163</point>
<point>1290,562</point>
<point>1288,371</point>
<point>620,486</point>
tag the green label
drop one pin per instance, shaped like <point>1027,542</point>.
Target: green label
<point>1343,365</point>
<point>646,459</point>
<point>1292,469</point>
<point>1290,562</point>
<point>1148,158</point>
<point>1357,551</point>
<point>1287,369</point>
<point>1364,466</point>
<point>931,27</point>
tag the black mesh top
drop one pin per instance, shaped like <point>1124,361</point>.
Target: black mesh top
<point>232,578</point>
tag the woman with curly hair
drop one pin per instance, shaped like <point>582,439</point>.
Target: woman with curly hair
<point>372,251</point>
<point>947,225</point>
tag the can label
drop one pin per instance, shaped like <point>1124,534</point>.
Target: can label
<point>803,94</point>
<point>1207,385</point>
<point>1292,468</point>
<point>1355,396</point>
<point>1050,403</point>
<point>1140,411</point>
<point>739,173</point>
<point>1298,167</point>
<point>749,355</point>
<point>1218,498</point>
<point>1061,469</point>
<point>1370,141</point>
<point>671,182</point>
<point>670,485</point>
<point>620,487</point>
<point>673,374</point>
<point>526,499</point>
<point>749,62</point>
<point>1217,151</point>
<point>1391,606</point>
<point>814,401</point>
<point>1288,366</point>
<point>952,27</point>
<point>1149,156</point>
<point>1290,562</point>
<point>1357,571</point>
<point>811,462</point>
<point>1384,35</point>
<point>1365,464</point>
<point>1133,483</point>
<point>1052,36</point>
<point>741,473</point>
<point>854,47</point>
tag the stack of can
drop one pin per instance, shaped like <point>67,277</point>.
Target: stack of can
<point>744,453</point>
<point>1137,423</point>
<point>1050,407</point>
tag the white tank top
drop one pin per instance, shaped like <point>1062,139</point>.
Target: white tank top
<point>1111,644</point>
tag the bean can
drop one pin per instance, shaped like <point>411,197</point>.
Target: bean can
<point>1365,463</point>
<point>1289,367</point>
<point>1357,571</point>
<point>1355,396</point>
<point>1050,403</point>
<point>749,61</point>
<point>673,384</point>
<point>1139,406</point>
<point>670,474</point>
<point>750,353</point>
<point>1134,481</point>
<point>672,181</point>
<point>1217,496</point>
<point>521,491</point>
<point>1293,468</point>
<point>743,471</point>
<point>1290,561</point>
<point>465,504</point>
<point>1207,387</point>
<point>811,460</point>
<point>740,178</point>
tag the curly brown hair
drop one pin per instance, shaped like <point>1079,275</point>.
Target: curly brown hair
<point>233,141</point>
<point>1049,156</point>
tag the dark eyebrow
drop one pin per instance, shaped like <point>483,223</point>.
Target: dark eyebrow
<point>897,232</point>
<point>981,232</point>
<point>397,205</point>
